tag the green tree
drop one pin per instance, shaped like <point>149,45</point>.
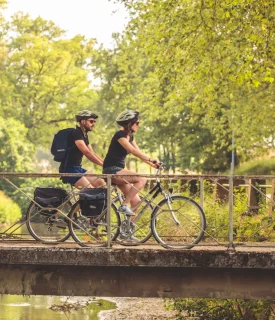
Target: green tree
<point>47,74</point>
<point>16,155</point>
<point>202,56</point>
<point>9,210</point>
<point>16,152</point>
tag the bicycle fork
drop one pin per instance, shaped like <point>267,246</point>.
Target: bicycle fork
<point>169,204</point>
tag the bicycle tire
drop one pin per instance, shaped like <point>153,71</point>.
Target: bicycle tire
<point>92,232</point>
<point>52,228</point>
<point>184,233</point>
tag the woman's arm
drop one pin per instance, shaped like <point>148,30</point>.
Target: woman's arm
<point>135,144</point>
<point>134,149</point>
<point>137,147</point>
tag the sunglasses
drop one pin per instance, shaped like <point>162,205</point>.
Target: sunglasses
<point>91,121</point>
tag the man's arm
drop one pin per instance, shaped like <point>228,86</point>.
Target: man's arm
<point>88,153</point>
<point>92,150</point>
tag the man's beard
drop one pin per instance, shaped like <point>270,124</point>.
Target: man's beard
<point>87,129</point>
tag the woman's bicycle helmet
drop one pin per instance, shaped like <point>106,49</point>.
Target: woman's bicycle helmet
<point>84,115</point>
<point>126,117</point>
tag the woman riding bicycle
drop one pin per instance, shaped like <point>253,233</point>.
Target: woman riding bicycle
<point>122,144</point>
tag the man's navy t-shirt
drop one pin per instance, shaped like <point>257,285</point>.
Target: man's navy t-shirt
<point>116,154</point>
<point>75,156</point>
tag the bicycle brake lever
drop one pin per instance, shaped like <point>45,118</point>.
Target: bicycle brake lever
<point>159,166</point>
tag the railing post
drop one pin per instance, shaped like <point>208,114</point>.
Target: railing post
<point>231,206</point>
<point>231,194</point>
<point>109,184</point>
<point>202,193</point>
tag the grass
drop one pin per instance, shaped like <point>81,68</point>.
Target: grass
<point>257,167</point>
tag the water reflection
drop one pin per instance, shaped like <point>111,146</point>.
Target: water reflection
<point>14,307</point>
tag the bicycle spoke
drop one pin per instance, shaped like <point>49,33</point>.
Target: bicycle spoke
<point>142,223</point>
<point>47,227</point>
<point>92,231</point>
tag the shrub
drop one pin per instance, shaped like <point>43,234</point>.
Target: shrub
<point>217,309</point>
<point>257,167</point>
<point>9,210</point>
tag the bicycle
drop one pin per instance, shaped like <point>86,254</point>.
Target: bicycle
<point>46,221</point>
<point>92,231</point>
<point>51,225</point>
<point>176,222</point>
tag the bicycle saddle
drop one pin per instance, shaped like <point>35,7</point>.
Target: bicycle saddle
<point>46,201</point>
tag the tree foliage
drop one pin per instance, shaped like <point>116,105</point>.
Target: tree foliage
<point>44,80</point>
<point>16,152</point>
<point>46,76</point>
<point>198,70</point>
<point>9,210</point>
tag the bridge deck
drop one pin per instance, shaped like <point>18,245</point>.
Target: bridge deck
<point>30,268</point>
<point>69,253</point>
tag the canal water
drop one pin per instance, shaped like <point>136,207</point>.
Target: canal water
<point>14,307</point>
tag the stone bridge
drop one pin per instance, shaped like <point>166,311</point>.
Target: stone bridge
<point>28,268</point>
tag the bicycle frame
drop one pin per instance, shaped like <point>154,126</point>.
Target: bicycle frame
<point>154,192</point>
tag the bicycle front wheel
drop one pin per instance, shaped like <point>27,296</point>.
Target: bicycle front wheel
<point>46,227</point>
<point>92,231</point>
<point>178,223</point>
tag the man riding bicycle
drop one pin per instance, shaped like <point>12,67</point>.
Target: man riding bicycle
<point>79,146</point>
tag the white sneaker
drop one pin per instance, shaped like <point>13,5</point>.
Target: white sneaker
<point>133,239</point>
<point>124,237</point>
<point>126,210</point>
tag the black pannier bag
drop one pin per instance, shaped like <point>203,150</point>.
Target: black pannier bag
<point>93,201</point>
<point>50,198</point>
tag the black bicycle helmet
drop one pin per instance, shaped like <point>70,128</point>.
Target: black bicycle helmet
<point>85,114</point>
<point>126,117</point>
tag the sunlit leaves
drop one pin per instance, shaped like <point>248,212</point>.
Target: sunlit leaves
<point>200,57</point>
<point>47,75</point>
<point>16,152</point>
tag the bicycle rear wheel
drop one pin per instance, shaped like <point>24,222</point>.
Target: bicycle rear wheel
<point>48,228</point>
<point>178,223</point>
<point>92,231</point>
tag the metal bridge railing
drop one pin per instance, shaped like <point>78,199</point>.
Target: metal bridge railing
<point>239,210</point>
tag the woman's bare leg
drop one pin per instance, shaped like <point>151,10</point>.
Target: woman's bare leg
<point>130,186</point>
<point>125,189</point>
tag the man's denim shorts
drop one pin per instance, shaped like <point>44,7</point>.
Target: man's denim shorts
<point>74,169</point>
<point>111,170</point>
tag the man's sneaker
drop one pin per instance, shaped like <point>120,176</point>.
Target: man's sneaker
<point>126,210</point>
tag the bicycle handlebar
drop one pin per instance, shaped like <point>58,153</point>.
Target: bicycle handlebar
<point>159,167</point>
